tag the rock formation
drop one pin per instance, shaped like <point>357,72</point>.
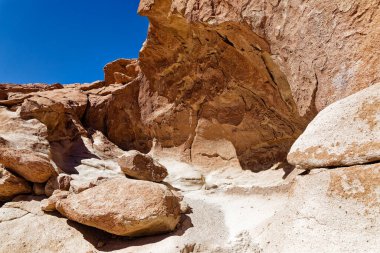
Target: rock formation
<point>243,126</point>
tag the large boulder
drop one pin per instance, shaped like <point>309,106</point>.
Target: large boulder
<point>124,207</point>
<point>345,133</point>
<point>141,166</point>
<point>11,185</point>
<point>28,164</point>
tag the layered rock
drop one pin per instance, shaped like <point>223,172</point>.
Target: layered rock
<point>131,208</point>
<point>345,133</point>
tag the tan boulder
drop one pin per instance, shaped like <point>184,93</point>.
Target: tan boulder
<point>141,166</point>
<point>28,164</point>
<point>11,185</point>
<point>124,207</point>
<point>345,133</point>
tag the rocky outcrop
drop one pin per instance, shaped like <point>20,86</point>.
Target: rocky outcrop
<point>345,133</point>
<point>121,71</point>
<point>141,166</point>
<point>11,185</point>
<point>219,86</point>
<point>325,203</point>
<point>214,85</point>
<point>25,228</point>
<point>60,110</point>
<point>323,48</point>
<point>131,208</point>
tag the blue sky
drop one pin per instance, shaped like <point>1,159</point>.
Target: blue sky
<point>66,41</point>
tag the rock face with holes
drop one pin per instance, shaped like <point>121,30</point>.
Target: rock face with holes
<point>345,133</point>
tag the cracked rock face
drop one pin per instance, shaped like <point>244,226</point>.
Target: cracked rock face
<point>214,85</point>
<point>326,49</point>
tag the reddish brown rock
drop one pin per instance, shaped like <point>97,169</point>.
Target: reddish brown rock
<point>115,111</point>
<point>121,71</point>
<point>323,47</point>
<point>28,164</point>
<point>215,83</point>
<point>131,208</point>
<point>60,110</point>
<point>11,185</point>
<point>142,166</point>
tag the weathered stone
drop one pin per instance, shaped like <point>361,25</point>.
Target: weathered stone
<point>323,47</point>
<point>11,185</point>
<point>28,164</point>
<point>17,133</point>
<point>131,208</point>
<point>25,228</point>
<point>60,110</point>
<point>142,166</point>
<point>345,133</point>
<point>121,71</point>
<point>48,205</point>
<point>60,182</point>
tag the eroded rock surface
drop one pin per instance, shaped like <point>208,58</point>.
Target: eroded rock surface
<point>325,49</point>
<point>219,86</point>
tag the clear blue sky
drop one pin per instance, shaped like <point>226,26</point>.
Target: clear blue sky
<point>66,41</point>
